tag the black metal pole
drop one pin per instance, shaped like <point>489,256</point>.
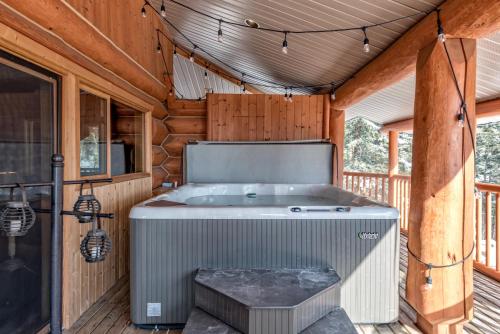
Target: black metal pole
<point>56,245</point>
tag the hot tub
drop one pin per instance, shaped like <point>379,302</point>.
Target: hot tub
<point>235,225</point>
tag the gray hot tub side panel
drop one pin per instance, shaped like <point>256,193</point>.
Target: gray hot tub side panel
<point>165,255</point>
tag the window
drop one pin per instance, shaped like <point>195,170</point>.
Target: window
<point>93,134</point>
<point>127,139</point>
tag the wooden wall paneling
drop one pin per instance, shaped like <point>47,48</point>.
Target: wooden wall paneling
<point>297,118</point>
<point>290,120</point>
<point>304,118</point>
<point>268,117</point>
<point>319,116</point>
<point>282,119</point>
<point>259,121</point>
<point>264,117</point>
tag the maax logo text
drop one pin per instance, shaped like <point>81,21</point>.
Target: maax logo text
<point>368,235</point>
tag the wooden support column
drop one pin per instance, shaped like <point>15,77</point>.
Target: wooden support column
<point>337,124</point>
<point>442,200</point>
<point>393,165</point>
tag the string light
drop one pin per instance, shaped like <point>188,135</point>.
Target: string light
<point>158,48</point>
<point>461,119</point>
<point>191,56</point>
<point>175,50</point>
<point>206,73</point>
<point>170,92</point>
<point>220,38</point>
<point>286,94</point>
<point>242,83</point>
<point>440,31</point>
<point>366,42</point>
<point>162,9</point>
<point>290,96</point>
<point>143,10</point>
<point>262,82</point>
<point>284,49</point>
<point>333,93</point>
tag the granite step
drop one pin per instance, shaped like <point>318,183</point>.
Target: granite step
<point>335,322</point>
<point>254,301</point>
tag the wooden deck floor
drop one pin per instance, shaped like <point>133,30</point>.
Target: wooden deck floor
<point>111,313</point>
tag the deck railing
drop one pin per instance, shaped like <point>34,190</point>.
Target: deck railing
<point>487,215</point>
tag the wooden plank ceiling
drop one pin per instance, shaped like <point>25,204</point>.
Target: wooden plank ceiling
<point>312,58</point>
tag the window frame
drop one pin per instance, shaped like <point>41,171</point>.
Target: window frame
<point>106,97</point>
<point>146,121</point>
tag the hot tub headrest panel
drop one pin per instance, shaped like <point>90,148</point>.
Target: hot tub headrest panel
<point>307,162</point>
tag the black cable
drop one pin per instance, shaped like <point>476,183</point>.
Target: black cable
<point>166,66</point>
<point>431,265</point>
<point>282,31</point>
<point>267,83</point>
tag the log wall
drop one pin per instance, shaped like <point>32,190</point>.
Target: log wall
<point>186,120</point>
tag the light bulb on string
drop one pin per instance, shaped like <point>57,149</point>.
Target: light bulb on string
<point>286,94</point>
<point>143,11</point>
<point>284,49</point>
<point>191,56</point>
<point>461,119</point>
<point>206,73</point>
<point>427,286</point>
<point>158,48</point>
<point>163,10</point>
<point>170,92</point>
<point>290,96</point>
<point>175,50</point>
<point>366,42</point>
<point>220,37</point>
<point>440,30</point>
<point>333,95</point>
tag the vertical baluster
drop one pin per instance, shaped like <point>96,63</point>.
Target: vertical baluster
<point>384,179</point>
<point>369,186</point>
<point>403,200</point>
<point>407,203</point>
<point>352,184</point>
<point>376,187</point>
<point>488,228</point>
<point>478,229</point>
<point>497,227</point>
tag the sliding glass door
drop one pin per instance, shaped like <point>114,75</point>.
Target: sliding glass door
<point>28,109</point>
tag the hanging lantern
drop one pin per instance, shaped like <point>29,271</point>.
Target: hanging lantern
<point>96,245</point>
<point>86,206</point>
<point>17,217</point>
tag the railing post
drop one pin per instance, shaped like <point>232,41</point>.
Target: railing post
<point>393,164</point>
<point>337,123</point>
<point>56,251</point>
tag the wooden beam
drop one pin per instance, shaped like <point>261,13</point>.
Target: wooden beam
<point>398,126</point>
<point>440,228</point>
<point>486,109</point>
<point>337,125</point>
<point>58,18</point>
<point>460,18</point>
